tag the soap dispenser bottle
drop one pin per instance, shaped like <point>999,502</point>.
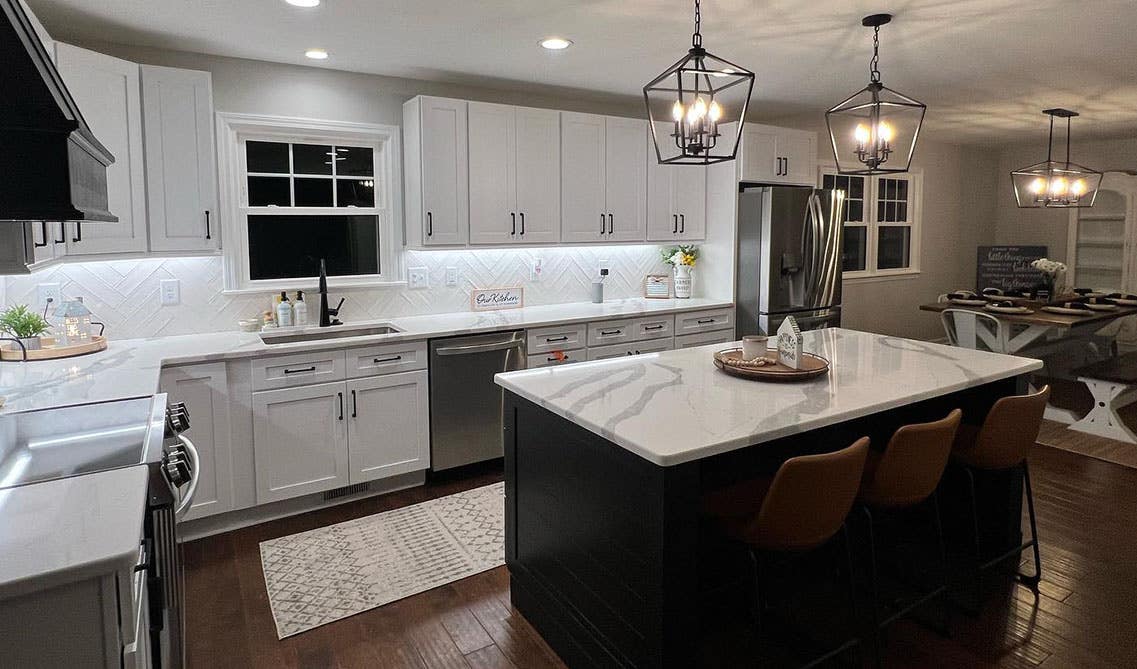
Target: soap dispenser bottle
<point>300,310</point>
<point>284,311</point>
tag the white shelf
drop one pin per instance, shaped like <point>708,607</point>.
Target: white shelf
<point>1102,243</point>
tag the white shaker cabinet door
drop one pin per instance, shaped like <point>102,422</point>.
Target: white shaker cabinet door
<point>107,91</point>
<point>760,160</point>
<point>388,425</point>
<point>493,210</point>
<point>300,440</point>
<point>583,212</point>
<point>799,157</point>
<point>204,390</point>
<point>538,175</point>
<point>689,200</point>
<point>626,178</point>
<point>445,172</point>
<point>181,167</point>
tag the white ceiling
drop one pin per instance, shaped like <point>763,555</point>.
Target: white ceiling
<point>984,67</point>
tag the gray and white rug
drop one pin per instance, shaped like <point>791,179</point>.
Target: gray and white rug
<point>333,572</point>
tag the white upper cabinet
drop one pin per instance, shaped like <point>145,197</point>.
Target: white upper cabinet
<point>778,155</point>
<point>677,198</point>
<point>436,175</point>
<point>107,91</point>
<point>514,157</point>
<point>603,178</point>
<point>181,167</point>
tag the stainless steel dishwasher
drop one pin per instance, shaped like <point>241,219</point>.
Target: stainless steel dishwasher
<point>465,403</point>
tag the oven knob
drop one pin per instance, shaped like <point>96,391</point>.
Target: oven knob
<point>177,469</point>
<point>177,419</point>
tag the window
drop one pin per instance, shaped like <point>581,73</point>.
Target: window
<point>881,223</point>
<point>304,191</point>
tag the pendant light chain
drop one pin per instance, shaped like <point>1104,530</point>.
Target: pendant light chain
<point>874,69</point>
<point>697,37</point>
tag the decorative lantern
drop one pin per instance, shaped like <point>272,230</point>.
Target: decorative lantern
<point>694,99</point>
<point>1056,183</point>
<point>874,131</point>
<point>75,326</point>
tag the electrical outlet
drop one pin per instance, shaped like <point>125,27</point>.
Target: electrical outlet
<point>48,291</point>
<point>418,277</point>
<point>451,276</point>
<point>535,268</point>
<point>170,291</point>
<point>604,264</point>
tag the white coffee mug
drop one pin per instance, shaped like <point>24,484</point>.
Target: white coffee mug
<point>754,346</point>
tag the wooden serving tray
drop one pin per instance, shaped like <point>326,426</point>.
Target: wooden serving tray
<point>97,343</point>
<point>732,362</point>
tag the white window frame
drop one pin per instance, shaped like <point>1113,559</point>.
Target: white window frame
<point>915,223</point>
<point>233,130</point>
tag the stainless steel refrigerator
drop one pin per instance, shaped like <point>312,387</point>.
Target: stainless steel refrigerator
<point>789,258</point>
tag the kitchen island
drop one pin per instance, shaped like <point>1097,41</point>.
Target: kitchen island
<point>606,463</point>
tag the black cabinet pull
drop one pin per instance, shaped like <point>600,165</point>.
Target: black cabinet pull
<point>43,233</point>
<point>682,223</point>
<point>393,358</point>
<point>637,352</point>
<point>523,223</point>
<point>605,333</point>
<point>553,339</point>
<point>78,232</point>
<point>653,327</point>
<point>429,224</point>
<point>62,239</point>
<point>513,218</point>
<point>602,228</point>
<point>556,359</point>
<point>297,371</point>
<point>354,407</point>
<point>208,235</point>
<point>340,396</point>
<point>674,223</point>
<point>609,223</point>
<point>785,167</point>
<point>704,321</point>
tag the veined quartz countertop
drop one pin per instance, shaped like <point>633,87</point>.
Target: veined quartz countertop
<point>676,406</point>
<point>130,367</point>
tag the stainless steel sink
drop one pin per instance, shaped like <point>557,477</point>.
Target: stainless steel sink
<point>333,332</point>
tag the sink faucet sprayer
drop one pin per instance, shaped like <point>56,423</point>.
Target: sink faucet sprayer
<point>326,313</point>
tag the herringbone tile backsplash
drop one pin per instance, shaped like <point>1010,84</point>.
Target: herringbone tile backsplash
<point>124,294</point>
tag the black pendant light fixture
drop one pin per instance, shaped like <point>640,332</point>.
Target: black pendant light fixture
<point>1056,183</point>
<point>874,131</point>
<point>694,99</point>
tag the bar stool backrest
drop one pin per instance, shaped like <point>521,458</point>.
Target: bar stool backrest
<point>1010,429</point>
<point>809,499</point>
<point>912,464</point>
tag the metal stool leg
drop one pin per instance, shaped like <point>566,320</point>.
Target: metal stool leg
<point>1031,581</point>
<point>945,631</point>
<point>978,572</point>
<point>756,572</point>
<point>873,587</point>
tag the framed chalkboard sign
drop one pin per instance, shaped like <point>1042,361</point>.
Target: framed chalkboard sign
<point>1008,267</point>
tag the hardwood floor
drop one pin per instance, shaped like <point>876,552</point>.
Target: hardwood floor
<point>1085,615</point>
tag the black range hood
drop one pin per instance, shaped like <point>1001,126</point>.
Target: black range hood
<point>51,166</point>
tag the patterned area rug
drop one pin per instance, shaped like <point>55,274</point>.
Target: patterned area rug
<point>330,573</point>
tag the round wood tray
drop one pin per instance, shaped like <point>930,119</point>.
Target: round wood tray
<point>97,343</point>
<point>731,362</point>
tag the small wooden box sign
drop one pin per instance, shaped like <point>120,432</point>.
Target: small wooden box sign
<point>491,299</point>
<point>789,343</point>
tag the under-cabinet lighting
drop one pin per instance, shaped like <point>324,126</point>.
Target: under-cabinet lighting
<point>556,43</point>
<point>303,3</point>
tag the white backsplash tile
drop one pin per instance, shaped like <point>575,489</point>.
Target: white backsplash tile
<point>124,294</point>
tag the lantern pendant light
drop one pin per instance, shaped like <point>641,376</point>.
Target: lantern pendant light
<point>692,102</point>
<point>874,131</point>
<point>1055,183</point>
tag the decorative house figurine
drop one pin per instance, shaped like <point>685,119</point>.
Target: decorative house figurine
<point>789,343</point>
<point>75,326</point>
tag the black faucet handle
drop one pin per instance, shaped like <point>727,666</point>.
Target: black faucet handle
<point>336,311</point>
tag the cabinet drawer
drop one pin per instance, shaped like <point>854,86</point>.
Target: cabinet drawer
<point>300,369</point>
<point>609,332</point>
<point>703,338</point>
<point>557,338</point>
<point>633,348</point>
<point>386,359</point>
<point>656,327</point>
<point>555,358</point>
<point>704,321</point>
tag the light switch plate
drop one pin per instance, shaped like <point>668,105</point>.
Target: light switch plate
<point>451,276</point>
<point>418,277</point>
<point>45,291</point>
<point>170,291</point>
<point>535,268</point>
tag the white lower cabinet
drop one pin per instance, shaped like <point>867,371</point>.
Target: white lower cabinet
<point>300,441</point>
<point>704,338</point>
<point>632,348</point>
<point>388,425</point>
<point>204,390</point>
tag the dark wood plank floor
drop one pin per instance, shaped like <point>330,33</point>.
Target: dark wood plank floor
<point>1086,615</point>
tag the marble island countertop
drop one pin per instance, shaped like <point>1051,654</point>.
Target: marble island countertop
<point>675,406</point>
<point>130,367</point>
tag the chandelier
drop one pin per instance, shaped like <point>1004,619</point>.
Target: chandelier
<point>1056,183</point>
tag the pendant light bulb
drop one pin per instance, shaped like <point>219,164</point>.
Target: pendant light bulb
<point>1079,188</point>
<point>1058,186</point>
<point>885,132</point>
<point>677,111</point>
<point>861,134</point>
<point>715,111</point>
<point>700,107</point>
<point>1038,186</point>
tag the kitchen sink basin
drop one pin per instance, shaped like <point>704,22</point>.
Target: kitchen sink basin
<point>333,332</point>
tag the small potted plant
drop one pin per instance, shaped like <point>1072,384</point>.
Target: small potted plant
<point>24,324</point>
<point>682,258</point>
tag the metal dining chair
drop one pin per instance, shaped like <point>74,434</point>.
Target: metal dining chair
<point>978,330</point>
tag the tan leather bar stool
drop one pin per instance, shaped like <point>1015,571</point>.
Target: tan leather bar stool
<point>907,474</point>
<point>803,507</point>
<point>1000,444</point>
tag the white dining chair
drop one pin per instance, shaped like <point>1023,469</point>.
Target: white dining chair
<point>968,328</point>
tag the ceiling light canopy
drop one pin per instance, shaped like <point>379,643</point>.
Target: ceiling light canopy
<point>303,3</point>
<point>694,99</point>
<point>555,43</point>
<point>316,54</point>
<point>874,131</point>
<point>1056,183</point>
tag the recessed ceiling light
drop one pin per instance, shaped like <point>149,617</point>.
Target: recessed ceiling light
<point>303,3</point>
<point>316,54</point>
<point>556,43</point>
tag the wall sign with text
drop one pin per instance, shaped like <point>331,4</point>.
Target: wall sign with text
<point>1008,267</point>
<point>491,299</point>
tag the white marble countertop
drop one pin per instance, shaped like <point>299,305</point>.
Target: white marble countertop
<point>130,367</point>
<point>68,529</point>
<point>675,406</point>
